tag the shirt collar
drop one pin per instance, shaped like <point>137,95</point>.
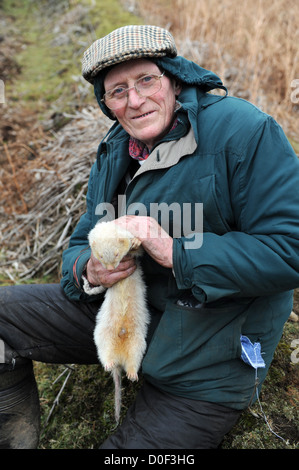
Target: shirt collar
<point>138,150</point>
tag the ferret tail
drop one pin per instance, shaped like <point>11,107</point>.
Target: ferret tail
<point>117,392</point>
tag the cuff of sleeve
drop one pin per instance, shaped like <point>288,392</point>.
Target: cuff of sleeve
<point>90,289</point>
<point>184,270</point>
<point>79,266</point>
<point>182,267</point>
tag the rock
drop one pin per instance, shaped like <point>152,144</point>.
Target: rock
<point>294,317</point>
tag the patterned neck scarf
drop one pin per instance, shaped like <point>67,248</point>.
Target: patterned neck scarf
<point>138,150</point>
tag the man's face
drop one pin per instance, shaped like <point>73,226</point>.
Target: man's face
<point>145,118</point>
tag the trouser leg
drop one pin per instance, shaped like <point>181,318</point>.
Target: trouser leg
<point>37,322</point>
<point>40,323</point>
<point>19,402</point>
<point>159,420</point>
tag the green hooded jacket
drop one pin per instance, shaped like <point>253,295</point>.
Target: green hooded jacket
<point>231,165</point>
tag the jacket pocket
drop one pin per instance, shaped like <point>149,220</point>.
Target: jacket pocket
<point>214,219</point>
<point>189,339</point>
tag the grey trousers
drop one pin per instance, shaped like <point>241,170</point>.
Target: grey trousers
<point>38,322</point>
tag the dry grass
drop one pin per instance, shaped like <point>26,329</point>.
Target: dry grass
<point>53,177</point>
<point>251,44</point>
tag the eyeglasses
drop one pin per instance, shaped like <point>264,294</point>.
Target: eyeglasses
<point>145,86</point>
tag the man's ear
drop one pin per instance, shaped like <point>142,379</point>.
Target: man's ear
<point>177,87</point>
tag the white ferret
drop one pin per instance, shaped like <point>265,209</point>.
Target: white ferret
<point>121,322</point>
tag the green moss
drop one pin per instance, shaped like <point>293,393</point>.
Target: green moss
<point>50,52</point>
<point>111,15</point>
<point>6,281</point>
<point>84,416</point>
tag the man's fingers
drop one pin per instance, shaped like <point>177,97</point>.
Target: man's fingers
<point>109,278</point>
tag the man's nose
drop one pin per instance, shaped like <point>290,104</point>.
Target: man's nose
<point>134,98</point>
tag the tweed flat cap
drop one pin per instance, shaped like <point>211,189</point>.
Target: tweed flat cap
<point>128,42</point>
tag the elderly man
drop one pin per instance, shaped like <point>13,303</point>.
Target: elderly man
<point>219,277</point>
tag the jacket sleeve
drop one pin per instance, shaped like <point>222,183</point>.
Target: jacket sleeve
<point>77,254</point>
<point>261,256</point>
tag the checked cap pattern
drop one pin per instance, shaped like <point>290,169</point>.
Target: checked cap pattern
<point>128,42</point>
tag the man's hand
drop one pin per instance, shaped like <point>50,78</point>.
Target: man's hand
<point>154,239</point>
<point>97,275</point>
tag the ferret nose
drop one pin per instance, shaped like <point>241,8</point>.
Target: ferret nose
<point>110,267</point>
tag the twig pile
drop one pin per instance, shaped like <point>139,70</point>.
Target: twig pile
<point>49,193</point>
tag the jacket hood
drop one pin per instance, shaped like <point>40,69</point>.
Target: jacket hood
<point>188,72</point>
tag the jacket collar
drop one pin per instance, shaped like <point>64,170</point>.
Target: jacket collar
<point>169,153</point>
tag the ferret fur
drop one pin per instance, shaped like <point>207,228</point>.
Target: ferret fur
<point>121,322</point>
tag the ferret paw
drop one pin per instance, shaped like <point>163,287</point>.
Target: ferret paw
<point>132,376</point>
<point>108,367</point>
<point>135,243</point>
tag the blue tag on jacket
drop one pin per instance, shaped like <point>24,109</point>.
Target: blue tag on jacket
<point>251,353</point>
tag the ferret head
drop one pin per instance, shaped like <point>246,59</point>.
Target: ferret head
<point>109,244</point>
<point>111,251</point>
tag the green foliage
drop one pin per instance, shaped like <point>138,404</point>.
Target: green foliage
<point>52,37</point>
<point>84,416</point>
